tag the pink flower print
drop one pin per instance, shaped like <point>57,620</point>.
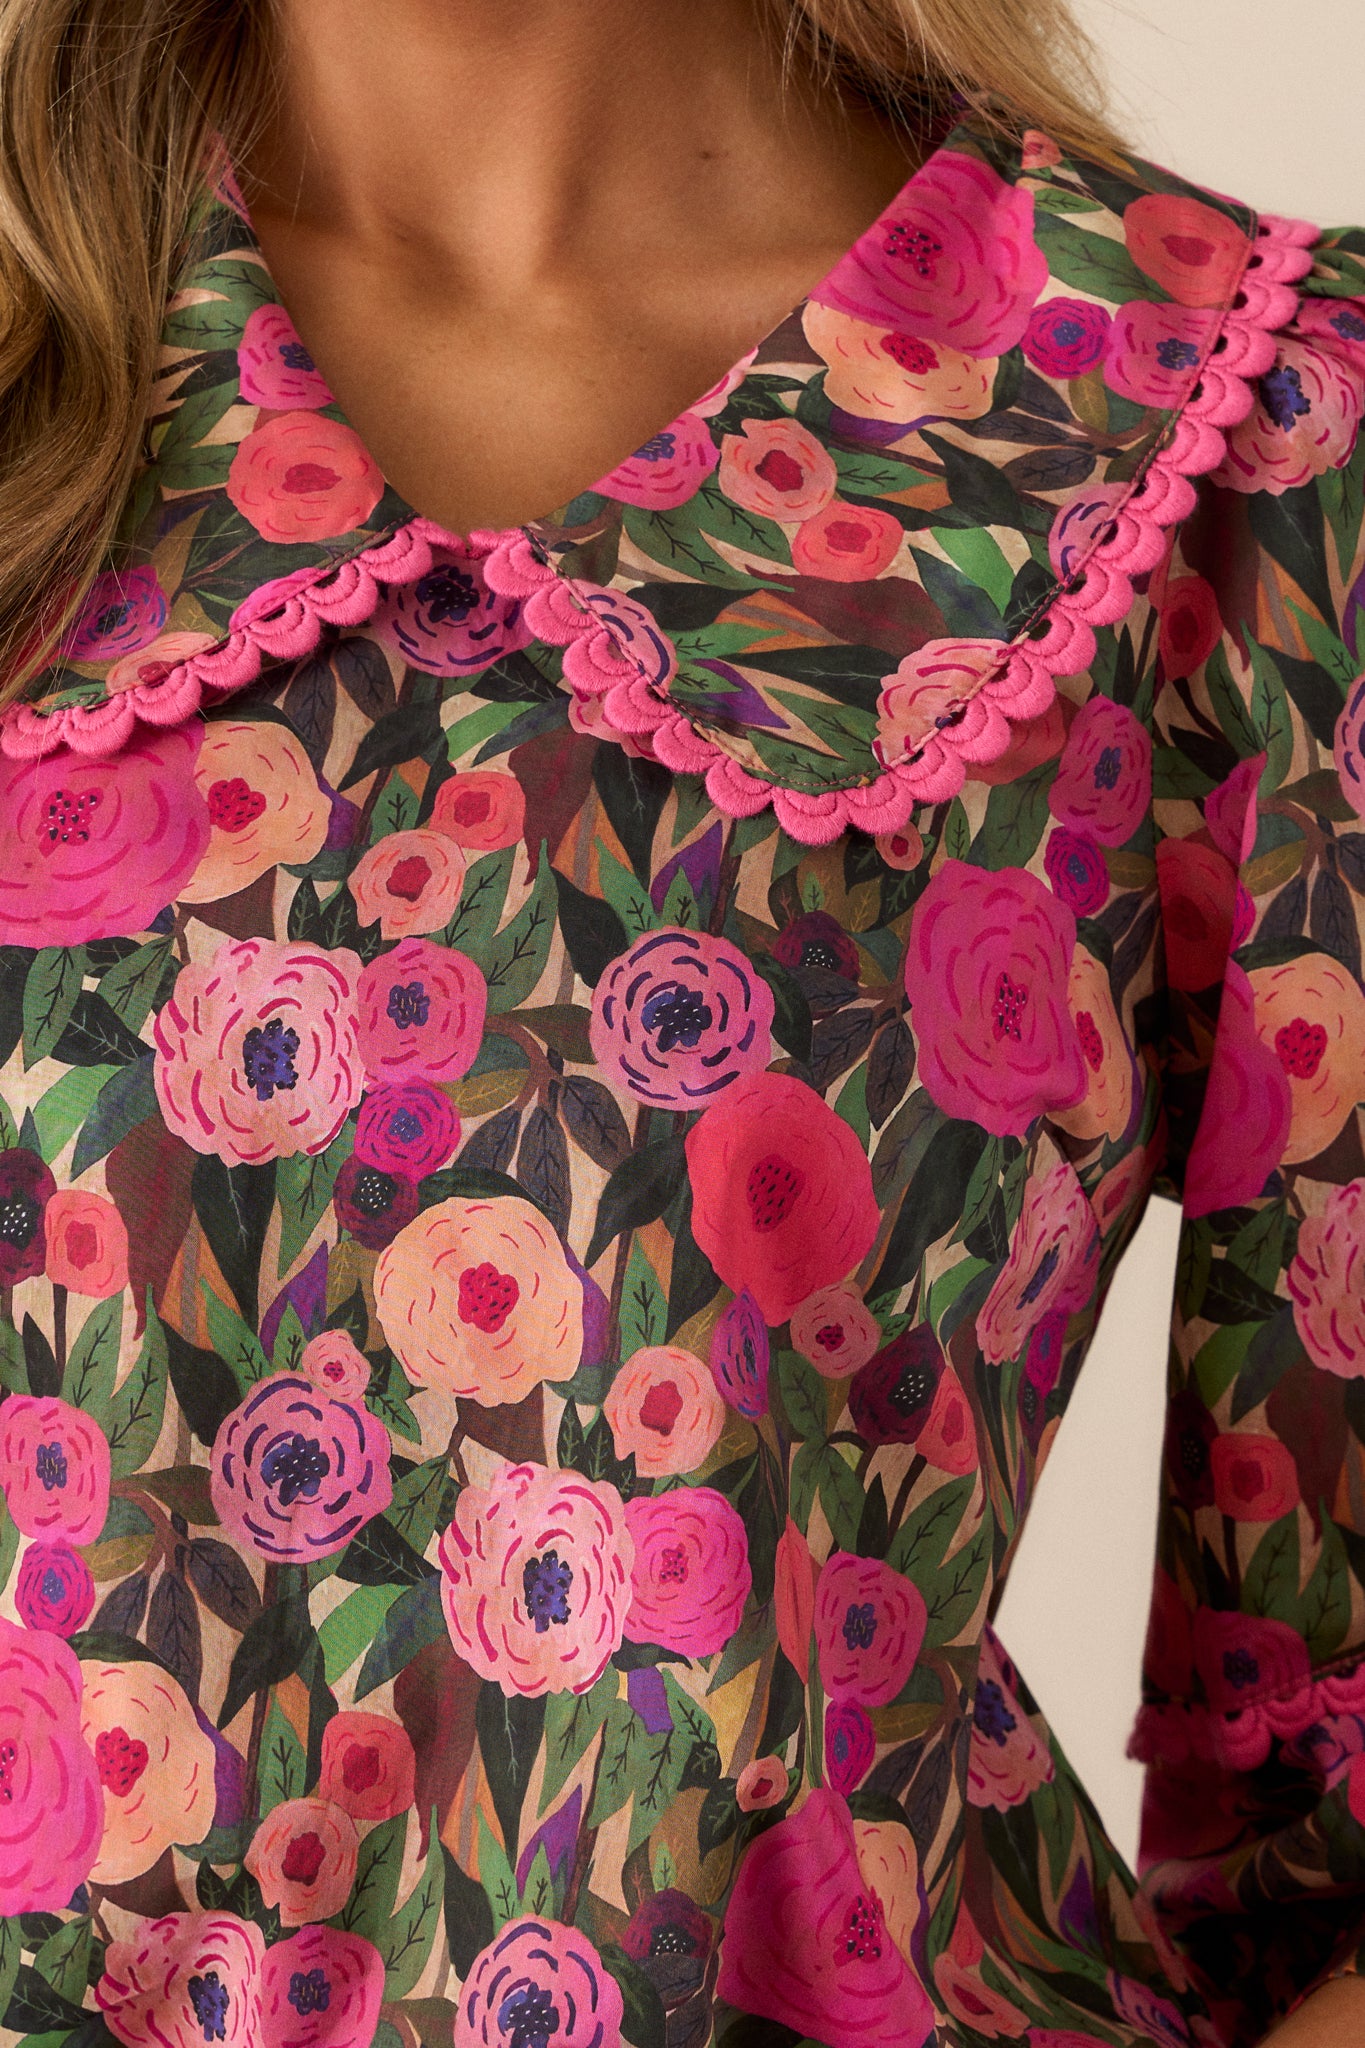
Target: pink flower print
<point>1104,779</point>
<point>257,1052</point>
<point>986,972</point>
<point>321,1988</point>
<point>1243,1657</point>
<point>869,1627</point>
<point>407,1127</point>
<point>1006,1762</point>
<point>1154,350</point>
<point>836,1330</point>
<point>275,368</point>
<point>896,378</point>
<point>335,1365</point>
<point>54,1468</point>
<point>368,1765</point>
<point>741,1356</point>
<point>537,1579</point>
<point>1304,422</point>
<point>124,610</point>
<point>95,849</point>
<point>806,1942</point>
<point>1254,1477</point>
<point>1349,748</point>
<point>1310,1011</point>
<point>155,1764</point>
<point>295,1473</point>
<point>1334,324</point>
<point>27,1188</point>
<point>304,1857</point>
<point>449,623</point>
<point>1066,337</point>
<point>422,1009</point>
<point>1191,625</point>
<point>184,1980</point>
<point>669,468</point>
<point>478,1300</point>
<point>679,1017</point>
<point>761,1784</point>
<point>926,708</point>
<point>948,1438</point>
<point>1230,810</point>
<point>850,1746</point>
<point>952,259</point>
<point>1247,1109</point>
<point>481,809</point>
<point>691,1577</point>
<point>539,1981</point>
<point>777,469</point>
<point>87,1244</point>
<point>300,476</point>
<point>846,543</point>
<point>51,1815</point>
<point>1083,520</point>
<point>1198,887</point>
<point>54,1589</point>
<point>665,1410</point>
<point>1076,869</point>
<point>1191,250</point>
<point>1053,1263</point>
<point>1326,1281</point>
<point>409,883</point>
<point>781,1191</point>
<point>153,663</point>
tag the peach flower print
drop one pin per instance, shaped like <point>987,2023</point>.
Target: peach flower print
<point>54,1468</point>
<point>836,1330</point>
<point>256,1051</point>
<point>1311,1014</point>
<point>154,662</point>
<point>1107,1105</point>
<point>761,1784</point>
<point>881,373</point>
<point>87,1244</point>
<point>409,882</point>
<point>963,1990</point>
<point>50,1807</point>
<point>335,1365</point>
<point>264,806</point>
<point>481,809</point>
<point>183,1980</point>
<point>1006,1762</point>
<point>846,543</point>
<point>1326,1281</point>
<point>155,1764</point>
<point>777,469</point>
<point>1053,1262</point>
<point>300,476</point>
<point>665,1410</point>
<point>536,1579</point>
<point>1194,252</point>
<point>478,1300</point>
<point>368,1765</point>
<point>889,1864</point>
<point>304,1856</point>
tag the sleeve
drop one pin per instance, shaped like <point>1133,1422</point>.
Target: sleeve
<point>1253,1723</point>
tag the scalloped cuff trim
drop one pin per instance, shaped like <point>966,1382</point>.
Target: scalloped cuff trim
<point>1179,1731</point>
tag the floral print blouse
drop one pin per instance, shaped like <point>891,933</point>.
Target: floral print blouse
<point>570,1097</point>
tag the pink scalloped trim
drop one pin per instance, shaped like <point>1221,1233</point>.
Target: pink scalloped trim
<point>604,655</point>
<point>1187,1731</point>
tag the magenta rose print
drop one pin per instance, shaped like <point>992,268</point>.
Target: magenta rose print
<point>449,623</point>
<point>50,1801</point>
<point>421,1009</point>
<point>679,1017</point>
<point>321,1988</point>
<point>54,1469</point>
<point>54,1589</point>
<point>741,1356</point>
<point>296,1472</point>
<point>539,1981</point>
<point>1053,1263</point>
<point>667,468</point>
<point>275,368</point>
<point>986,973</point>
<point>1103,782</point>
<point>691,1575</point>
<point>869,1627</point>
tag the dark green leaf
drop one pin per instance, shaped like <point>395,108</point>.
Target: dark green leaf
<point>638,1191</point>
<point>468,1916</point>
<point>378,1556</point>
<point>233,1204</point>
<point>127,1099</point>
<point>414,1620</point>
<point>411,733</point>
<point>271,1650</point>
<point>593,933</point>
<point>96,1035</point>
<point>50,992</point>
<point>205,1388</point>
<point>509,1732</point>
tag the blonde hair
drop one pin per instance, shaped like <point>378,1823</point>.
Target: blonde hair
<point>107,108</point>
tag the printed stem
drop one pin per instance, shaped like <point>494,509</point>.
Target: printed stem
<point>905,1489</point>
<point>59,1328</point>
<point>270,1593</point>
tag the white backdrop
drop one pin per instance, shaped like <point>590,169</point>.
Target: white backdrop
<point>1259,99</point>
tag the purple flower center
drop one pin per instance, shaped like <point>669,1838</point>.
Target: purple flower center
<point>447,593</point>
<point>916,248</point>
<point>677,1015</point>
<point>1240,1668</point>
<point>65,817</point>
<point>1107,768</point>
<point>209,1997</point>
<point>658,448</point>
<point>112,617</point>
<point>309,1991</point>
<point>372,1192</point>
<point>1042,1273</point>
<point>1068,332</point>
<point>296,356</point>
<point>529,2017</point>
<point>54,1585</point>
<point>295,1466</point>
<point>992,1717</point>
<point>1007,1017</point>
<point>673,1566</point>
<point>545,1583</point>
<point>50,1465</point>
<point>409,1003</point>
<point>19,1217</point>
<point>1348,325</point>
<point>860,1625</point>
<point>1283,396</point>
<point>404,1126</point>
<point>268,1058</point>
<point>1176,355</point>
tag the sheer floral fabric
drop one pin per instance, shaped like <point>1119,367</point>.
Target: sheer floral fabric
<point>570,1100</point>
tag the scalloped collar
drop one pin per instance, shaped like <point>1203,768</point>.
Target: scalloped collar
<point>839,573</point>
